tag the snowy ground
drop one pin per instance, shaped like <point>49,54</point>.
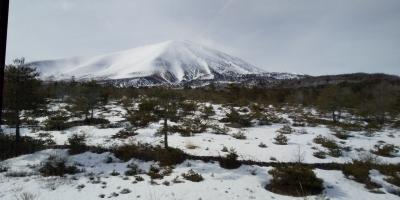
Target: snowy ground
<point>211,144</point>
<point>219,182</point>
<point>246,182</point>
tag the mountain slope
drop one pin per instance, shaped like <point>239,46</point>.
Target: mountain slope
<point>168,62</point>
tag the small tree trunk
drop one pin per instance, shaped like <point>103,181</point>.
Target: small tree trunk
<point>91,114</point>
<point>165,133</point>
<point>17,132</point>
<point>382,118</point>
<point>333,116</point>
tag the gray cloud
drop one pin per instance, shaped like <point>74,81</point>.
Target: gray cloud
<point>312,37</point>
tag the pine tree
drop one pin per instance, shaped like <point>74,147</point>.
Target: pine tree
<point>281,139</point>
<point>168,102</point>
<point>334,100</point>
<point>86,99</point>
<point>21,93</point>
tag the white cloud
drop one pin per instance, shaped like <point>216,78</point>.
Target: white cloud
<point>313,36</point>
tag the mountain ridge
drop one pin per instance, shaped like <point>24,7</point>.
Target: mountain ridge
<point>170,62</point>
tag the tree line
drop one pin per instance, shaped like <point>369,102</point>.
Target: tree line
<point>25,94</point>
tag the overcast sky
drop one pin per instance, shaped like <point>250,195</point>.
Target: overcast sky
<point>302,36</point>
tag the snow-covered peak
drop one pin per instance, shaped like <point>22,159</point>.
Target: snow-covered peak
<point>171,61</point>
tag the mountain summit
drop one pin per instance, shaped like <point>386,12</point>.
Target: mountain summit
<point>169,62</point>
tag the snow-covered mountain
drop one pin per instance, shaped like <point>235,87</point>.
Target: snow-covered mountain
<point>170,62</point>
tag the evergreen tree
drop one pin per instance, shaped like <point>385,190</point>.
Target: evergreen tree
<point>168,102</point>
<point>381,102</point>
<point>334,100</point>
<point>21,93</point>
<point>86,99</point>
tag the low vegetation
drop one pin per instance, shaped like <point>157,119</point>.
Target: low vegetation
<point>385,150</point>
<point>192,176</point>
<point>125,133</point>
<point>10,148</point>
<point>240,135</point>
<point>347,109</point>
<point>330,144</point>
<point>56,166</point>
<point>294,180</point>
<point>146,152</point>
<point>77,143</point>
<point>133,170</point>
<point>237,120</point>
<point>281,139</point>
<point>286,129</point>
<point>230,160</point>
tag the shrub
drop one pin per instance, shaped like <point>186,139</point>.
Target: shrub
<point>239,135</point>
<point>262,145</point>
<point>189,107</point>
<point>385,150</point>
<point>125,191</point>
<point>166,183</point>
<point>109,159</point>
<point>319,154</point>
<point>236,119</point>
<point>335,152</point>
<point>3,168</point>
<point>281,139</point>
<point>157,172</point>
<point>47,138</point>
<point>192,176</point>
<point>265,118</point>
<point>133,170</point>
<point>342,135</point>
<point>325,142</point>
<point>17,174</point>
<point>139,178</point>
<point>190,127</point>
<point>56,166</point>
<point>81,186</point>
<point>26,196</point>
<point>359,171</point>
<point>294,180</point>
<point>244,110</point>
<point>128,151</point>
<point>394,179</point>
<point>334,149</point>
<point>230,161</point>
<point>216,129</point>
<point>262,119</point>
<point>77,143</point>
<point>141,118</point>
<point>57,122</point>
<point>299,124</point>
<point>124,134</point>
<point>207,112</point>
<point>114,173</point>
<point>9,148</point>
<point>392,171</point>
<point>170,156</point>
<point>286,129</point>
<point>95,121</point>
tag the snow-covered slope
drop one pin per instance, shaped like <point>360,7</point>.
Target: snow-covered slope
<point>169,62</point>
